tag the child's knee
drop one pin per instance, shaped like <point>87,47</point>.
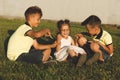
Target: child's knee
<point>95,47</point>
<point>47,51</point>
<point>71,52</point>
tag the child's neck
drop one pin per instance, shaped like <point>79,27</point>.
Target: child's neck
<point>29,24</point>
<point>65,37</point>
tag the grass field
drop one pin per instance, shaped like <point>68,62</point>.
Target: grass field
<point>62,71</point>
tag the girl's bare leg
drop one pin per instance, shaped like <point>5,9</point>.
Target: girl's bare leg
<point>72,53</point>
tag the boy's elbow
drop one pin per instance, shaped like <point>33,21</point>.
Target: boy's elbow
<point>111,51</point>
<point>111,48</point>
<point>35,45</point>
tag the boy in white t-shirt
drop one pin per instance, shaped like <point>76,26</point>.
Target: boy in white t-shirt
<point>24,38</point>
<point>101,45</point>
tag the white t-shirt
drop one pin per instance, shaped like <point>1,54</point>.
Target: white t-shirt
<point>105,38</point>
<point>19,43</point>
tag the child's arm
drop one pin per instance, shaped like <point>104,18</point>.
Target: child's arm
<point>58,42</point>
<point>76,42</point>
<point>37,34</point>
<point>72,41</point>
<point>42,47</point>
<point>108,48</point>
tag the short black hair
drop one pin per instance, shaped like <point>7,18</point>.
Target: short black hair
<point>62,22</point>
<point>33,10</point>
<point>92,20</point>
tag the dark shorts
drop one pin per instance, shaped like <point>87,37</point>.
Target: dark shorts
<point>88,50</point>
<point>34,56</point>
<point>106,55</point>
<point>90,53</point>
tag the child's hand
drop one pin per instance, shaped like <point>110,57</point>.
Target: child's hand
<point>59,37</point>
<point>48,34</point>
<point>98,42</point>
<point>54,45</point>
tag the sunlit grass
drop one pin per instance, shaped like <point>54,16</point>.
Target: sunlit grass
<point>62,71</point>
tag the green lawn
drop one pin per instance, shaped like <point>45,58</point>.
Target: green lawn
<point>62,71</point>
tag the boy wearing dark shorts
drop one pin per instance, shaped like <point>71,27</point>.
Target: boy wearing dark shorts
<point>101,44</point>
<point>20,43</point>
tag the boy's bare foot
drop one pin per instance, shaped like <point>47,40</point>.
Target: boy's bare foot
<point>101,59</point>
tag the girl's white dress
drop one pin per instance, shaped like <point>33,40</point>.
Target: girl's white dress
<point>62,54</point>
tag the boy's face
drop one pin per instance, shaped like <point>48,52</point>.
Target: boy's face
<point>91,30</point>
<point>34,20</point>
<point>65,31</point>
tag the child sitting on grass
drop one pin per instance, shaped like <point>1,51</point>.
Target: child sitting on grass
<point>102,40</point>
<point>66,45</point>
<point>24,37</point>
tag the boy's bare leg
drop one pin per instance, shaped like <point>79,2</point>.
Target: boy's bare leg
<point>46,55</point>
<point>96,48</point>
<point>101,56</point>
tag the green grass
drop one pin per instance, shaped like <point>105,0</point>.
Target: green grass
<point>62,71</point>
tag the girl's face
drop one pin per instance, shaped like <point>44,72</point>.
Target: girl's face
<point>65,30</point>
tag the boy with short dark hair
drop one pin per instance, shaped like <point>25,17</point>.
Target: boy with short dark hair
<point>102,40</point>
<point>24,38</point>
